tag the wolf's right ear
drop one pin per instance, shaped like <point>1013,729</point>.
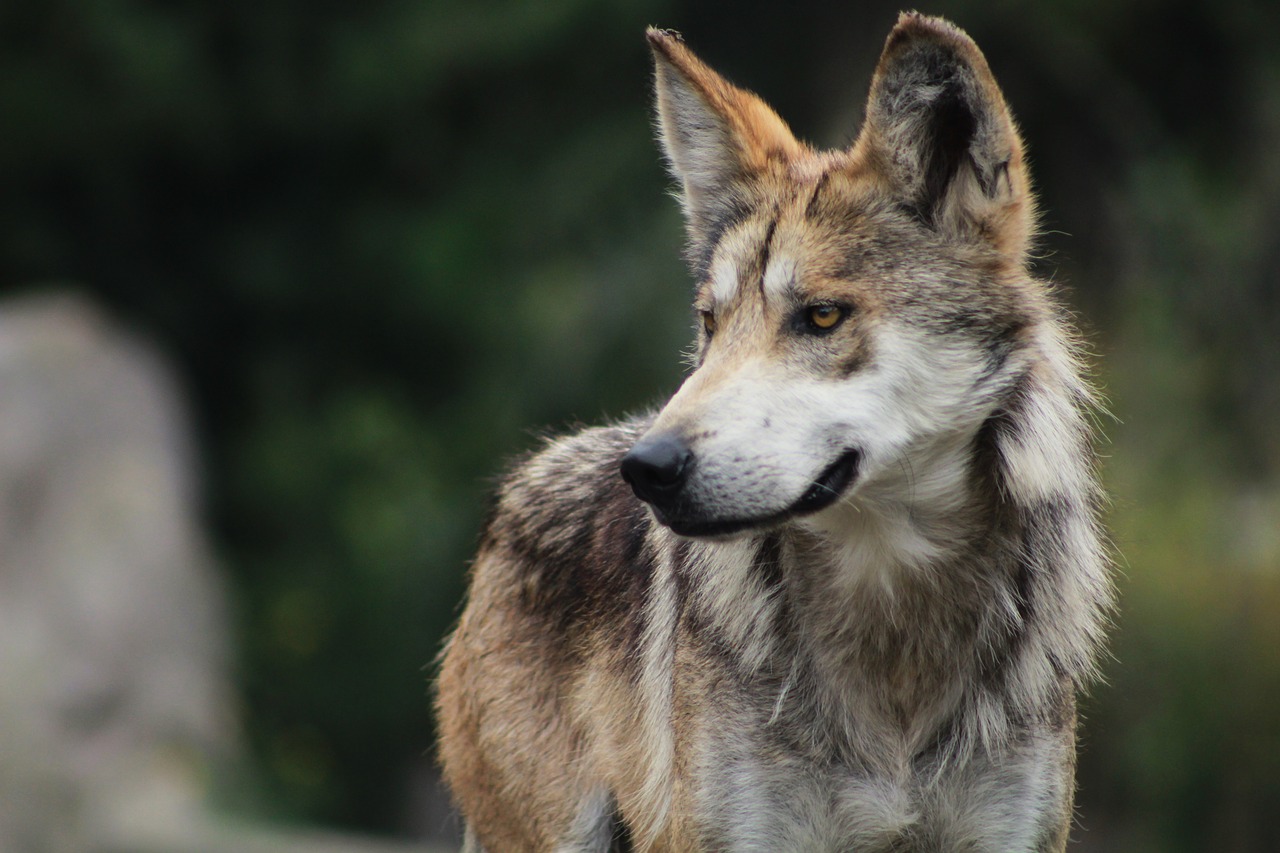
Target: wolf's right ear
<point>715,136</point>
<point>938,130</point>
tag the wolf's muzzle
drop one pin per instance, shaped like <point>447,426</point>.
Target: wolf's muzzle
<point>659,467</point>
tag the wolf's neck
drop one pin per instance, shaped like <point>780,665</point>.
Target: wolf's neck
<point>975,579</point>
<point>972,577</point>
<point>898,592</point>
<point>905,522</point>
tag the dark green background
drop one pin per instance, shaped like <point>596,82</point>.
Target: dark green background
<point>386,242</point>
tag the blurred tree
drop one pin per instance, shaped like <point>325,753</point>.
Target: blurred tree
<point>383,242</point>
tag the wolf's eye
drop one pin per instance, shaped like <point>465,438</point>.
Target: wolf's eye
<point>708,322</point>
<point>824,316</point>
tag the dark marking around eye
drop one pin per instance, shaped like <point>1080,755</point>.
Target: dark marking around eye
<point>708,319</point>
<point>819,318</point>
<point>825,316</point>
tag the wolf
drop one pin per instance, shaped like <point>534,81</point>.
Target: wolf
<point>842,591</point>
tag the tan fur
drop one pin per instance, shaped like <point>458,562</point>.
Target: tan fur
<point>857,603</point>
<point>761,136</point>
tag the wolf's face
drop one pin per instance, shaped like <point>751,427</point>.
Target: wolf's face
<point>859,314</point>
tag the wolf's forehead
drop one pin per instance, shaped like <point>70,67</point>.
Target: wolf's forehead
<point>752,259</point>
<point>776,254</point>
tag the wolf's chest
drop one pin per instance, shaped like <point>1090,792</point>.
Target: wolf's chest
<point>757,797</point>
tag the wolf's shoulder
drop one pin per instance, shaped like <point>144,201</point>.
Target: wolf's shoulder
<point>568,480</point>
<point>569,528</point>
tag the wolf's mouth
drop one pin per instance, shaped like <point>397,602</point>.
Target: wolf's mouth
<point>828,488</point>
<point>830,485</point>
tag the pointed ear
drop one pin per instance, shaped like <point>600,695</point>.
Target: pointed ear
<point>715,136</point>
<point>938,130</point>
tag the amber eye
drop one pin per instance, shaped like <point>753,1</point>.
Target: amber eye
<point>708,322</point>
<point>824,316</point>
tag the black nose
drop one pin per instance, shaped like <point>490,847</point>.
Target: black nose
<point>657,467</point>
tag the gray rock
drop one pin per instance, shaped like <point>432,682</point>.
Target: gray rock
<point>114,689</point>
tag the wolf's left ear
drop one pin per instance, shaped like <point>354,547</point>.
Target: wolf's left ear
<point>938,129</point>
<point>715,136</point>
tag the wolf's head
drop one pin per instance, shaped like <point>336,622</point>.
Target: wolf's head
<point>860,313</point>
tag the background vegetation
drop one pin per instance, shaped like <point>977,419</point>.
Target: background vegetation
<point>388,241</point>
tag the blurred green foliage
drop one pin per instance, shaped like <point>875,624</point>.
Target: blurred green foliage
<point>387,241</point>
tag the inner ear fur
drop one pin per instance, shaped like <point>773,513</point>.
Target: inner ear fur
<point>939,132</point>
<point>715,136</point>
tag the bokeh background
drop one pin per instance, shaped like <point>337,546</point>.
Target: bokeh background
<point>380,246</point>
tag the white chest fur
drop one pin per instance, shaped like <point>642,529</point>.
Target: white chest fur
<point>757,797</point>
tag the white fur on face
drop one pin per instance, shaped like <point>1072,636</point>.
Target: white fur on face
<point>723,276</point>
<point>779,276</point>
<point>763,431</point>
